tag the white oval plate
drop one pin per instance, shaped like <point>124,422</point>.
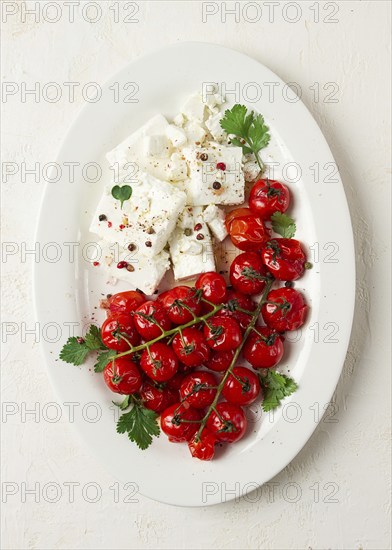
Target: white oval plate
<point>68,290</point>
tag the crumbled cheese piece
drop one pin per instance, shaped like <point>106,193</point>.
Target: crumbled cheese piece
<point>195,132</point>
<point>251,170</point>
<point>194,108</point>
<point>215,219</point>
<point>213,125</point>
<point>176,135</point>
<point>156,146</point>
<point>177,168</point>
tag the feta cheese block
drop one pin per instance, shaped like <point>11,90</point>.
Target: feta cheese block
<point>145,221</point>
<point>214,127</point>
<point>194,108</point>
<point>146,150</point>
<point>191,248</point>
<point>215,219</point>
<point>139,271</point>
<point>215,173</point>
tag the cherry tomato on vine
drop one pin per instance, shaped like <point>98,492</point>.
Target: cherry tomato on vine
<point>213,287</point>
<point>178,301</point>
<point>122,376</point>
<point>248,274</point>
<point>149,317</point>
<point>285,309</point>
<point>125,302</point>
<point>191,347</point>
<point>220,361</point>
<point>284,258</point>
<point>199,389</point>
<point>174,422</point>
<point>222,333</point>
<point>246,229</point>
<point>263,348</point>
<point>228,423</point>
<point>241,387</point>
<point>159,362</point>
<point>157,398</point>
<point>267,197</point>
<point>203,447</point>
<point>116,329</point>
<point>237,299</point>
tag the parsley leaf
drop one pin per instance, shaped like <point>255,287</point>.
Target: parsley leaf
<point>249,130</point>
<point>275,387</point>
<point>124,404</point>
<point>76,350</point>
<point>103,359</point>
<point>283,225</point>
<point>140,424</point>
<point>122,194</point>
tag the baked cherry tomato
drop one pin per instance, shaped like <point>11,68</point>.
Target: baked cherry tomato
<point>267,197</point>
<point>228,423</point>
<point>199,389</point>
<point>191,347</point>
<point>149,317</point>
<point>285,309</point>
<point>159,362</point>
<point>241,387</point>
<point>213,287</point>
<point>157,398</point>
<point>125,302</point>
<point>180,302</point>
<point>264,348</point>
<point>203,447</point>
<point>284,258</point>
<point>248,274</point>
<point>118,330</point>
<point>122,376</point>
<point>237,299</point>
<point>246,229</point>
<point>222,333</point>
<point>220,360</point>
<point>174,422</point>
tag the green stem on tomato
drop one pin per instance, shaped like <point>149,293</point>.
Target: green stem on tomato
<point>171,332</point>
<point>255,316</point>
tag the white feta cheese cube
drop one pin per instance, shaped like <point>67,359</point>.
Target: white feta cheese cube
<point>146,220</point>
<point>177,168</point>
<point>156,146</point>
<point>191,247</point>
<point>251,170</point>
<point>216,175</point>
<point>179,120</point>
<point>195,132</point>
<point>214,127</point>
<point>215,219</point>
<point>139,272</point>
<point>176,135</point>
<point>194,108</point>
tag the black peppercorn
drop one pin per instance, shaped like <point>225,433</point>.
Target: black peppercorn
<point>102,217</point>
<point>216,185</point>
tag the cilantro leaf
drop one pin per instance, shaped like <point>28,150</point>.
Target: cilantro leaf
<point>103,359</point>
<point>275,387</point>
<point>122,194</point>
<point>283,225</point>
<point>93,338</point>
<point>124,404</point>
<point>74,351</point>
<point>140,424</point>
<point>249,130</point>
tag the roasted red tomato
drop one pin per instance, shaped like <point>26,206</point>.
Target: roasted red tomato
<point>150,318</point>
<point>122,376</point>
<point>220,360</point>
<point>203,447</point>
<point>267,197</point>
<point>228,423</point>
<point>237,299</point>
<point>199,389</point>
<point>222,333</point>
<point>248,274</point>
<point>191,347</point>
<point>285,309</point>
<point>159,362</point>
<point>246,229</point>
<point>157,398</point>
<point>118,330</point>
<point>213,287</point>
<point>180,422</point>
<point>125,302</point>
<point>284,258</point>
<point>241,387</point>
<point>181,304</point>
<point>264,348</point>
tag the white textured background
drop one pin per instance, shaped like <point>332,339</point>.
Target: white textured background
<point>351,455</point>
